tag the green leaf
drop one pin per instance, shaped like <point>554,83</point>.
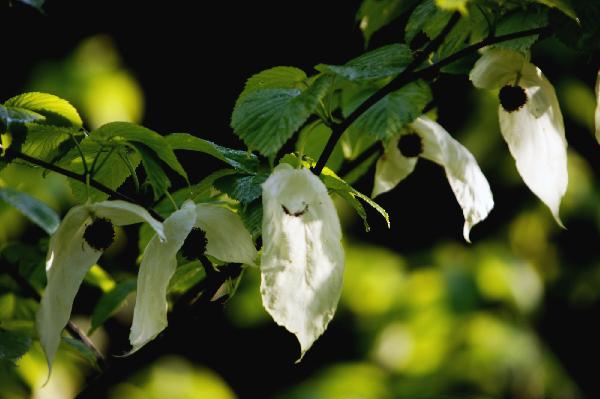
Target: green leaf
<point>54,110</point>
<point>155,175</point>
<point>241,187</point>
<point>241,160</point>
<point>136,134</point>
<point>110,302</point>
<point>265,119</point>
<point>36,211</point>
<point>427,17</point>
<point>335,184</point>
<point>81,350</point>
<point>380,63</point>
<point>111,156</point>
<point>251,215</point>
<point>46,142</point>
<point>518,21</point>
<point>390,114</point>
<point>565,6</point>
<point>375,14</point>
<point>13,345</point>
<point>30,260</point>
<point>100,278</point>
<point>280,77</point>
<point>312,140</point>
<point>185,277</point>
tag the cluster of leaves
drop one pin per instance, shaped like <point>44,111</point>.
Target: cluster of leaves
<point>275,105</point>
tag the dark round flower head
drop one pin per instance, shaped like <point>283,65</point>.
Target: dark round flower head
<point>410,145</point>
<point>100,234</point>
<point>194,245</point>
<point>512,98</point>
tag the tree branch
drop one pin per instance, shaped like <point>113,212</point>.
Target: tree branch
<point>410,75</point>
<point>12,153</point>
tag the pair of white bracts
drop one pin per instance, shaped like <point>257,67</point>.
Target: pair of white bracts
<point>534,133</point>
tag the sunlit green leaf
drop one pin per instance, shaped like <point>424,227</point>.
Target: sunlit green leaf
<point>36,211</point>
<point>265,119</point>
<point>394,111</point>
<point>380,63</point>
<point>281,77</point>
<point>456,5</point>
<point>312,140</point>
<point>110,302</point>
<point>55,110</point>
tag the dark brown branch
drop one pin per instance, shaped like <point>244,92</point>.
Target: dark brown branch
<point>410,75</point>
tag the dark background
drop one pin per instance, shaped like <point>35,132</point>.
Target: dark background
<point>192,59</point>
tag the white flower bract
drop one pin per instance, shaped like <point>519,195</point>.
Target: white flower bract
<point>68,260</point>
<point>535,133</point>
<point>227,240</point>
<point>469,185</point>
<point>303,259</point>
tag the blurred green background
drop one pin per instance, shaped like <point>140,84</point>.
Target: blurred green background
<point>422,314</point>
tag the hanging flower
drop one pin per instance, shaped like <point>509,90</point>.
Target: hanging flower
<point>85,232</point>
<point>303,260</point>
<point>530,121</point>
<point>196,229</point>
<point>427,139</point>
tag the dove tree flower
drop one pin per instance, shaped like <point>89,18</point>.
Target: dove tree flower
<point>303,259</point>
<point>530,121</point>
<point>427,139</point>
<point>85,232</point>
<point>197,229</point>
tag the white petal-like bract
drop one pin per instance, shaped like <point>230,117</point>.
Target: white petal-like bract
<point>466,179</point>
<point>158,265</point>
<point>124,213</point>
<point>303,259</point>
<point>534,132</point>
<point>68,260</point>
<point>391,168</point>
<point>535,135</point>
<point>495,68</point>
<point>227,238</point>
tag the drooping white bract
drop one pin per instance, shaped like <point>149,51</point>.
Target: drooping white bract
<point>70,257</point>
<point>227,240</point>
<point>597,113</point>
<point>468,183</point>
<point>535,131</point>
<point>303,259</point>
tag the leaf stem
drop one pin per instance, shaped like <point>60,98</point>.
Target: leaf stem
<point>410,75</point>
